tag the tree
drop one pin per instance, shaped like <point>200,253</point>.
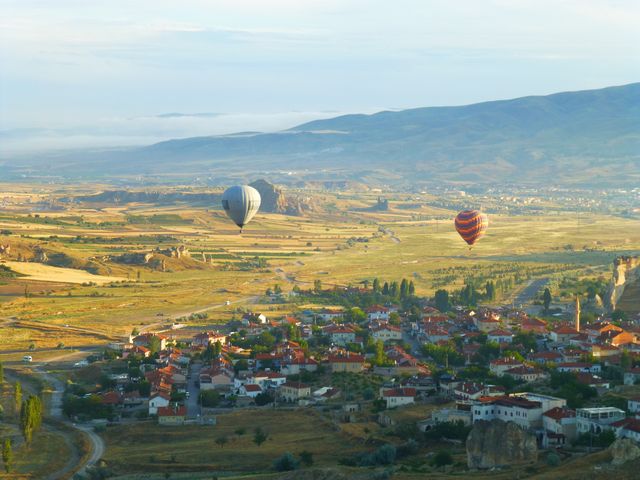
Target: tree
<point>263,398</point>
<point>222,441</point>
<point>1,373</point>
<point>317,286</point>
<point>442,300</point>
<point>404,288</point>
<point>306,458</point>
<point>490,291</point>
<point>286,463</point>
<point>277,289</point>
<point>30,417</point>
<point>441,459</point>
<point>259,436</point>
<point>412,288</point>
<point>154,344</point>
<point>385,288</point>
<point>546,299</point>
<point>376,285</point>
<point>209,398</point>
<point>618,315</point>
<point>17,397</point>
<point>7,456</point>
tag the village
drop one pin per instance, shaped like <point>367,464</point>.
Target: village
<point>565,381</point>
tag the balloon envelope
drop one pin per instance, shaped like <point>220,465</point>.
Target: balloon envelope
<point>241,203</point>
<point>471,225</point>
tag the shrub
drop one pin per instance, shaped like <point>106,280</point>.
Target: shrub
<point>553,459</point>
<point>441,459</point>
<point>285,463</point>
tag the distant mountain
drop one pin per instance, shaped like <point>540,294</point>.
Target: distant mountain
<point>585,138</point>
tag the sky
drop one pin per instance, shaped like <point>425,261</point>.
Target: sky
<point>89,73</point>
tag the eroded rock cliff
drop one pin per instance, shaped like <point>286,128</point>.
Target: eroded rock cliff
<point>495,443</point>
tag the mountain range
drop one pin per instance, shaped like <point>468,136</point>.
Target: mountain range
<point>586,138</point>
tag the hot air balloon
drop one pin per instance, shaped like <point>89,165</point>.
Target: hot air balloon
<point>241,203</point>
<point>471,225</point>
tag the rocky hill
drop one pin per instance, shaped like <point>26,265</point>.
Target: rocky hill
<point>275,201</point>
<point>497,443</point>
<point>626,270</point>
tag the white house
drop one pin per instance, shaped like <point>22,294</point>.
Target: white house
<point>378,312</point>
<point>396,397</point>
<point>560,426</point>
<point>386,333</point>
<point>633,404</point>
<point>250,390</point>
<point>158,400</point>
<point>598,419</point>
<point>500,336</point>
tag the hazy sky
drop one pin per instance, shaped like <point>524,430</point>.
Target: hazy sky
<point>88,72</point>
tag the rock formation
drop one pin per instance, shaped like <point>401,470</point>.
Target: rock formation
<point>273,200</point>
<point>495,443</point>
<point>624,450</point>
<point>625,270</point>
<point>41,256</point>
<point>133,258</point>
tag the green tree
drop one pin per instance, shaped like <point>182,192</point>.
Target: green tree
<point>546,299</point>
<point>286,463</point>
<point>7,456</point>
<point>222,441</point>
<point>306,457</point>
<point>154,344</point>
<point>412,288</point>
<point>259,436</point>
<point>385,288</point>
<point>376,285</point>
<point>404,288</point>
<point>618,315</point>
<point>17,397</point>
<point>317,286</point>
<point>30,417</point>
<point>441,459</point>
<point>442,300</point>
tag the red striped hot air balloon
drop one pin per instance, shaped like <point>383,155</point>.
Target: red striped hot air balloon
<point>471,225</point>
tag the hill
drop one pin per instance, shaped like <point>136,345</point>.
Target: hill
<point>574,138</point>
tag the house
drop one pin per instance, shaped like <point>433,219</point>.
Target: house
<point>632,376</point>
<point>386,333</point>
<point>598,419</point>
<point>158,400</point>
<point>147,339</point>
<point>534,325</point>
<point>501,365</point>
<point>294,391</point>
<point>633,404</point>
<point>467,392</point>
<point>341,335</point>
<point>525,409</point>
<point>204,339</point>
<point>563,334</point>
<point>628,428</point>
<point>378,312</point>
<point>604,351</point>
<point>560,427</point>
<point>576,367</point>
<point>172,415</point>
<point>500,336</point>
<point>346,362</point>
<point>329,315</point>
<point>546,357</point>
<point>254,318</point>
<point>250,390</point>
<point>435,334</point>
<point>111,398</point>
<point>526,374</point>
<point>396,397</point>
<point>215,377</point>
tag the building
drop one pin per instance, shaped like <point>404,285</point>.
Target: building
<point>628,428</point>
<point>158,400</point>
<point>250,390</point>
<point>500,336</point>
<point>525,409</point>
<point>577,367</point>
<point>204,339</point>
<point>396,397</point>
<point>501,365</point>
<point>172,415</point>
<point>386,333</point>
<point>378,312</point>
<point>294,391</point>
<point>633,404</point>
<point>526,374</point>
<point>560,426</point>
<point>341,335</point>
<point>563,334</point>
<point>632,376</point>
<point>598,419</point>
<point>346,362</point>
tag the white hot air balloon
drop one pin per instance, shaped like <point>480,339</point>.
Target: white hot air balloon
<point>241,203</point>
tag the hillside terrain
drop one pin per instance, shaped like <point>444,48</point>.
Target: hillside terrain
<point>589,138</point>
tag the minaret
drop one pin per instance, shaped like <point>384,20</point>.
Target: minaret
<point>577,314</point>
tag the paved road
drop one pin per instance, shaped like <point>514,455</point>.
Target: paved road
<point>528,293</point>
<point>193,409</point>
